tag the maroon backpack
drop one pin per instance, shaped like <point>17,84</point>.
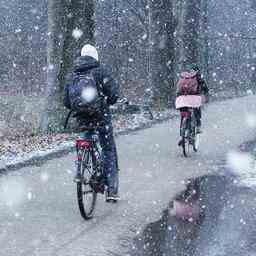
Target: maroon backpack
<point>188,83</point>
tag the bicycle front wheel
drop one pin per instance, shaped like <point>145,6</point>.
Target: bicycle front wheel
<point>86,195</point>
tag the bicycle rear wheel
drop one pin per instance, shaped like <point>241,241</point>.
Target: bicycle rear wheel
<point>185,137</point>
<point>86,195</point>
<point>186,147</point>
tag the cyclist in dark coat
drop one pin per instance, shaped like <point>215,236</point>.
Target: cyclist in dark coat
<point>89,61</point>
<point>202,90</point>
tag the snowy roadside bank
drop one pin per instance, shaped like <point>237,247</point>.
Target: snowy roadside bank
<point>34,151</point>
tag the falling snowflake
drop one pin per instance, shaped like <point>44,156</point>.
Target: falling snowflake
<point>44,177</point>
<point>251,120</point>
<point>240,162</point>
<point>51,67</point>
<point>30,195</point>
<point>12,191</point>
<point>144,37</point>
<point>77,33</point>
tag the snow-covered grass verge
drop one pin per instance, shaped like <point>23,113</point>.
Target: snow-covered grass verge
<point>18,153</point>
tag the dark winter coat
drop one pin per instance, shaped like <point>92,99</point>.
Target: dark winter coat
<point>104,80</point>
<point>203,88</point>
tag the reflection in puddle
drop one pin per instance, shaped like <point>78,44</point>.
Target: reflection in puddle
<point>211,217</point>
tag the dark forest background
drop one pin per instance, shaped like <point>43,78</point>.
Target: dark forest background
<point>146,42</point>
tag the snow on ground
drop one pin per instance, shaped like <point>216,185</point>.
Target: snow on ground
<point>24,149</point>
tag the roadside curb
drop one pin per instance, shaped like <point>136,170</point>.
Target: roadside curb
<point>39,158</point>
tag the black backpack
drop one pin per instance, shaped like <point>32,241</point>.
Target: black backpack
<point>86,98</point>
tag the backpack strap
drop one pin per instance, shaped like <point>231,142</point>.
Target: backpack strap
<point>67,119</point>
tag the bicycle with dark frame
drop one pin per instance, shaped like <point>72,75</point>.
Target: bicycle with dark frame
<point>188,131</point>
<point>89,165</point>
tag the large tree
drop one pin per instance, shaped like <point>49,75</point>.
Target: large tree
<point>253,79</point>
<point>70,25</point>
<point>161,29</point>
<point>205,37</point>
<point>190,31</point>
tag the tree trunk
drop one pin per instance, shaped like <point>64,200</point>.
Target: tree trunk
<point>253,78</point>
<point>205,39</point>
<point>162,51</point>
<point>80,15</point>
<point>63,17</point>
<point>55,27</point>
<point>190,28</point>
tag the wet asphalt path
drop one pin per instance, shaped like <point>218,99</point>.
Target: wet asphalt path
<point>38,209</point>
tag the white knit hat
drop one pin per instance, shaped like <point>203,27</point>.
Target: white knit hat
<point>89,50</point>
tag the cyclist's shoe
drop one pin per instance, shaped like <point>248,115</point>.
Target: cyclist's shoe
<point>77,178</point>
<point>198,130</point>
<point>112,198</point>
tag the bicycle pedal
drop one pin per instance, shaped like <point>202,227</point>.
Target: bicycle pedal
<point>97,186</point>
<point>77,180</point>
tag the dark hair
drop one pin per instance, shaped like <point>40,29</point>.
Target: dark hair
<point>194,67</point>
